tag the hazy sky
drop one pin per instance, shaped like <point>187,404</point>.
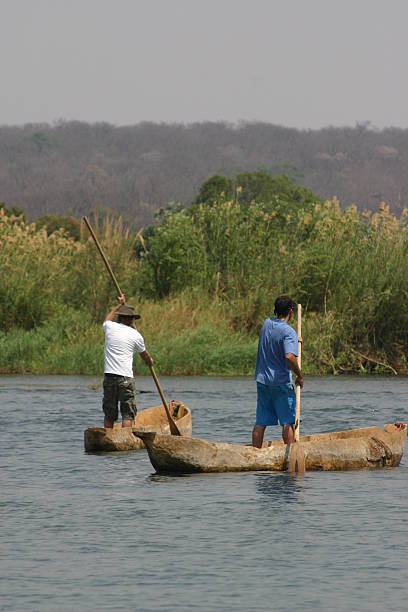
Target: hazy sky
<point>301,63</point>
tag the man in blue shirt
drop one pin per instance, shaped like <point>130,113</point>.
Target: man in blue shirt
<point>275,362</point>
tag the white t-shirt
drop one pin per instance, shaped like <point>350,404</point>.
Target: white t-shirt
<point>120,343</point>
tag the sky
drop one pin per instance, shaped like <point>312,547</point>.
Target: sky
<point>296,63</point>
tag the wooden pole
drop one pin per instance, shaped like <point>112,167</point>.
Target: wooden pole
<point>102,254</point>
<point>174,430</point>
<point>299,332</point>
<point>297,463</point>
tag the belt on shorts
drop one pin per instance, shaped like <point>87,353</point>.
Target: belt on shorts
<point>109,375</point>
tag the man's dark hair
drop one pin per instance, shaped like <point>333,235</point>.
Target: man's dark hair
<point>125,320</point>
<point>283,304</point>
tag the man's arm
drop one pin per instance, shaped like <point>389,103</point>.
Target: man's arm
<point>146,358</point>
<point>112,314</point>
<point>292,362</point>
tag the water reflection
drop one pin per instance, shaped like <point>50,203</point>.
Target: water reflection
<point>279,488</point>
<point>163,477</point>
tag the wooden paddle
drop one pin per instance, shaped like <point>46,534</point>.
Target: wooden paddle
<point>297,454</point>
<point>174,430</point>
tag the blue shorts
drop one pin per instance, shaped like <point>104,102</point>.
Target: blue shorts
<point>275,404</point>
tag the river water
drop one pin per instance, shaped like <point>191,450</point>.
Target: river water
<point>103,532</point>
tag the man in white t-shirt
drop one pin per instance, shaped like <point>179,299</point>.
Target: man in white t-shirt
<point>121,340</point>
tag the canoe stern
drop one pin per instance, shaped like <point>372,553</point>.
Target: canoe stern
<point>99,439</point>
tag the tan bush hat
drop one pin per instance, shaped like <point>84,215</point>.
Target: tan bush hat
<point>127,311</point>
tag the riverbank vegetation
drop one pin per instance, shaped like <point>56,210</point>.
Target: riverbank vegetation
<point>204,279</point>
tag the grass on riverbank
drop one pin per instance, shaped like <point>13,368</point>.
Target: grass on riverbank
<point>185,335</point>
<point>182,338</point>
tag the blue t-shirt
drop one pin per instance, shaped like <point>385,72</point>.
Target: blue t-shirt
<point>276,340</point>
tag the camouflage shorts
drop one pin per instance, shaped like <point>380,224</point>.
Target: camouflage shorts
<point>118,389</point>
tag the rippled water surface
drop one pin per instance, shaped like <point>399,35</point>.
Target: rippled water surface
<point>103,532</point>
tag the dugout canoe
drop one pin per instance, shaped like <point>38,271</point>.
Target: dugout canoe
<point>99,439</point>
<point>369,447</point>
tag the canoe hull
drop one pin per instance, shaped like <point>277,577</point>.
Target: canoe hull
<point>99,439</point>
<point>354,449</point>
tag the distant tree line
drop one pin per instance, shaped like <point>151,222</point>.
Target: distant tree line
<point>70,168</point>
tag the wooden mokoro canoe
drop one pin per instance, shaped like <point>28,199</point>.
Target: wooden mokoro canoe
<point>369,447</point>
<point>99,439</point>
